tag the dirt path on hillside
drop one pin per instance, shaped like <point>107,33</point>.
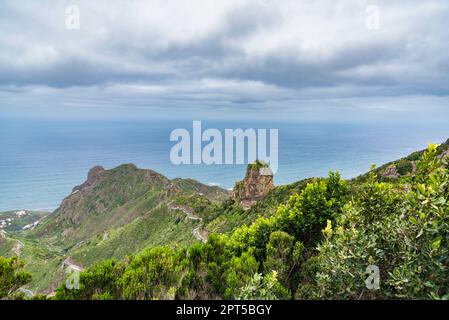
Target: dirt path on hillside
<point>19,245</point>
<point>189,213</point>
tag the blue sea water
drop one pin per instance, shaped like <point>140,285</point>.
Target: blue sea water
<point>41,161</point>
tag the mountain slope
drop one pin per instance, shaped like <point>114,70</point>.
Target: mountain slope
<point>161,226</point>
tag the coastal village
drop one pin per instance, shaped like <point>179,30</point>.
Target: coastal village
<point>8,220</point>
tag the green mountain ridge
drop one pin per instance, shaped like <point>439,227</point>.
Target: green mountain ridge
<point>112,199</point>
<point>404,167</point>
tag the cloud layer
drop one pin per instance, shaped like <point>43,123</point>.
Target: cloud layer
<point>212,57</point>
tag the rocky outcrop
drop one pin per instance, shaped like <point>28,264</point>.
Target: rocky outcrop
<point>257,184</point>
<point>391,172</point>
<point>95,174</point>
<point>105,190</point>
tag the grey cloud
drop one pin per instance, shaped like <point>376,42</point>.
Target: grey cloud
<point>409,58</point>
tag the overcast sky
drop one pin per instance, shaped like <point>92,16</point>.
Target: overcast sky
<point>288,59</point>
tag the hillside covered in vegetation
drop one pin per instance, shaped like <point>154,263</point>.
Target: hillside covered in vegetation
<point>314,239</point>
<point>112,214</point>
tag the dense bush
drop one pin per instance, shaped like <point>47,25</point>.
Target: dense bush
<point>11,278</point>
<point>405,235</point>
<point>404,167</point>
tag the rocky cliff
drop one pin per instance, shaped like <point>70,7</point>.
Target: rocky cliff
<point>257,184</point>
<point>95,175</point>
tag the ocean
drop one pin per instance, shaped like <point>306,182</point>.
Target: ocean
<point>41,161</point>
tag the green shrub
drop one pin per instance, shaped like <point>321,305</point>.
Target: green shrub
<point>404,167</point>
<point>406,236</point>
<point>11,278</point>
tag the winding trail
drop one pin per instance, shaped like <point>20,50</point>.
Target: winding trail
<point>18,247</point>
<point>18,250</point>
<point>189,213</point>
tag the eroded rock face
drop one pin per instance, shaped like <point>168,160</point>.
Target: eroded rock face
<point>257,184</point>
<point>94,175</point>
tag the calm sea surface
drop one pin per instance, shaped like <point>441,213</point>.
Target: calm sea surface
<point>41,161</point>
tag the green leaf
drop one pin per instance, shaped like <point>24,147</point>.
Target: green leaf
<point>436,244</point>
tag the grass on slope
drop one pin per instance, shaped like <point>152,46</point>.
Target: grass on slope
<point>44,265</point>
